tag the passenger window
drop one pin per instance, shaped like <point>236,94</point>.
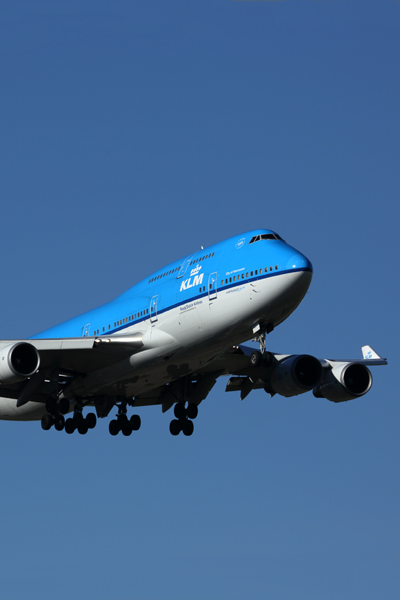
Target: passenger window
<point>276,267</point>
<point>234,279</point>
<point>255,272</point>
<point>251,273</point>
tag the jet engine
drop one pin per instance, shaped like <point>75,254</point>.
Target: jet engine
<point>18,361</point>
<point>345,381</point>
<point>295,375</point>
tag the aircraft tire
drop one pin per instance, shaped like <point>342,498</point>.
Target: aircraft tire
<point>47,421</point>
<point>126,429</point>
<point>91,420</point>
<point>256,358</point>
<point>70,426</point>
<point>82,428</point>
<point>179,410</point>
<point>59,423</point>
<point>175,427</point>
<point>188,427</point>
<point>135,422</point>
<point>268,359</point>
<point>113,427</point>
<point>192,410</point>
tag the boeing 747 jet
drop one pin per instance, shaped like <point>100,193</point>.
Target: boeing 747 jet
<point>167,339</point>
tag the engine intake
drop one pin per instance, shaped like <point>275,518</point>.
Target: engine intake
<point>345,382</point>
<point>18,361</point>
<point>295,375</point>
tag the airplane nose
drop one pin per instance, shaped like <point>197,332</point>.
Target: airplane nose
<point>299,262</point>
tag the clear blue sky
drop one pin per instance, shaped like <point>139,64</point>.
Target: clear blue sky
<point>131,133</point>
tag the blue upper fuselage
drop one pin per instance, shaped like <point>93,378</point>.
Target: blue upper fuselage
<point>254,255</point>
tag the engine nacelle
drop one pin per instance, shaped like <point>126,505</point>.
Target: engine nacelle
<point>18,361</point>
<point>345,381</point>
<point>295,375</point>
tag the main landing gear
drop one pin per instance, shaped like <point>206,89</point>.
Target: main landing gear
<point>80,423</point>
<point>55,416</point>
<point>122,423</point>
<point>183,421</point>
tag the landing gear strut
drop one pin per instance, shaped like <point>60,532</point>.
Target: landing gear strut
<point>262,356</point>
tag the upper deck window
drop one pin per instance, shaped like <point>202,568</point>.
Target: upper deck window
<point>265,236</point>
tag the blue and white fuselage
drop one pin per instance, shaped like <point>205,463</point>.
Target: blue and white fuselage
<point>175,328</point>
<point>232,278</point>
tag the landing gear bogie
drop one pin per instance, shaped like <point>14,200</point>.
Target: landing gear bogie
<point>122,423</point>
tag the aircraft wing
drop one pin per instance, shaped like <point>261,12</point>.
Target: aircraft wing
<point>41,360</point>
<point>287,375</point>
<point>337,380</point>
<point>33,369</point>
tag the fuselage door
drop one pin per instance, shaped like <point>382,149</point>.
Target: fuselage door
<point>153,309</point>
<point>86,330</point>
<point>212,286</point>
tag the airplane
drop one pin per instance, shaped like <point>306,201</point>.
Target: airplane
<point>169,338</point>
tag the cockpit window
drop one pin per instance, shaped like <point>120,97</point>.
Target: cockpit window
<point>265,236</point>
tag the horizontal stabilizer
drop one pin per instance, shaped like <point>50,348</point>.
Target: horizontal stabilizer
<point>368,353</point>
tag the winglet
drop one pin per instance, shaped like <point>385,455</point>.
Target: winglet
<point>368,353</point>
